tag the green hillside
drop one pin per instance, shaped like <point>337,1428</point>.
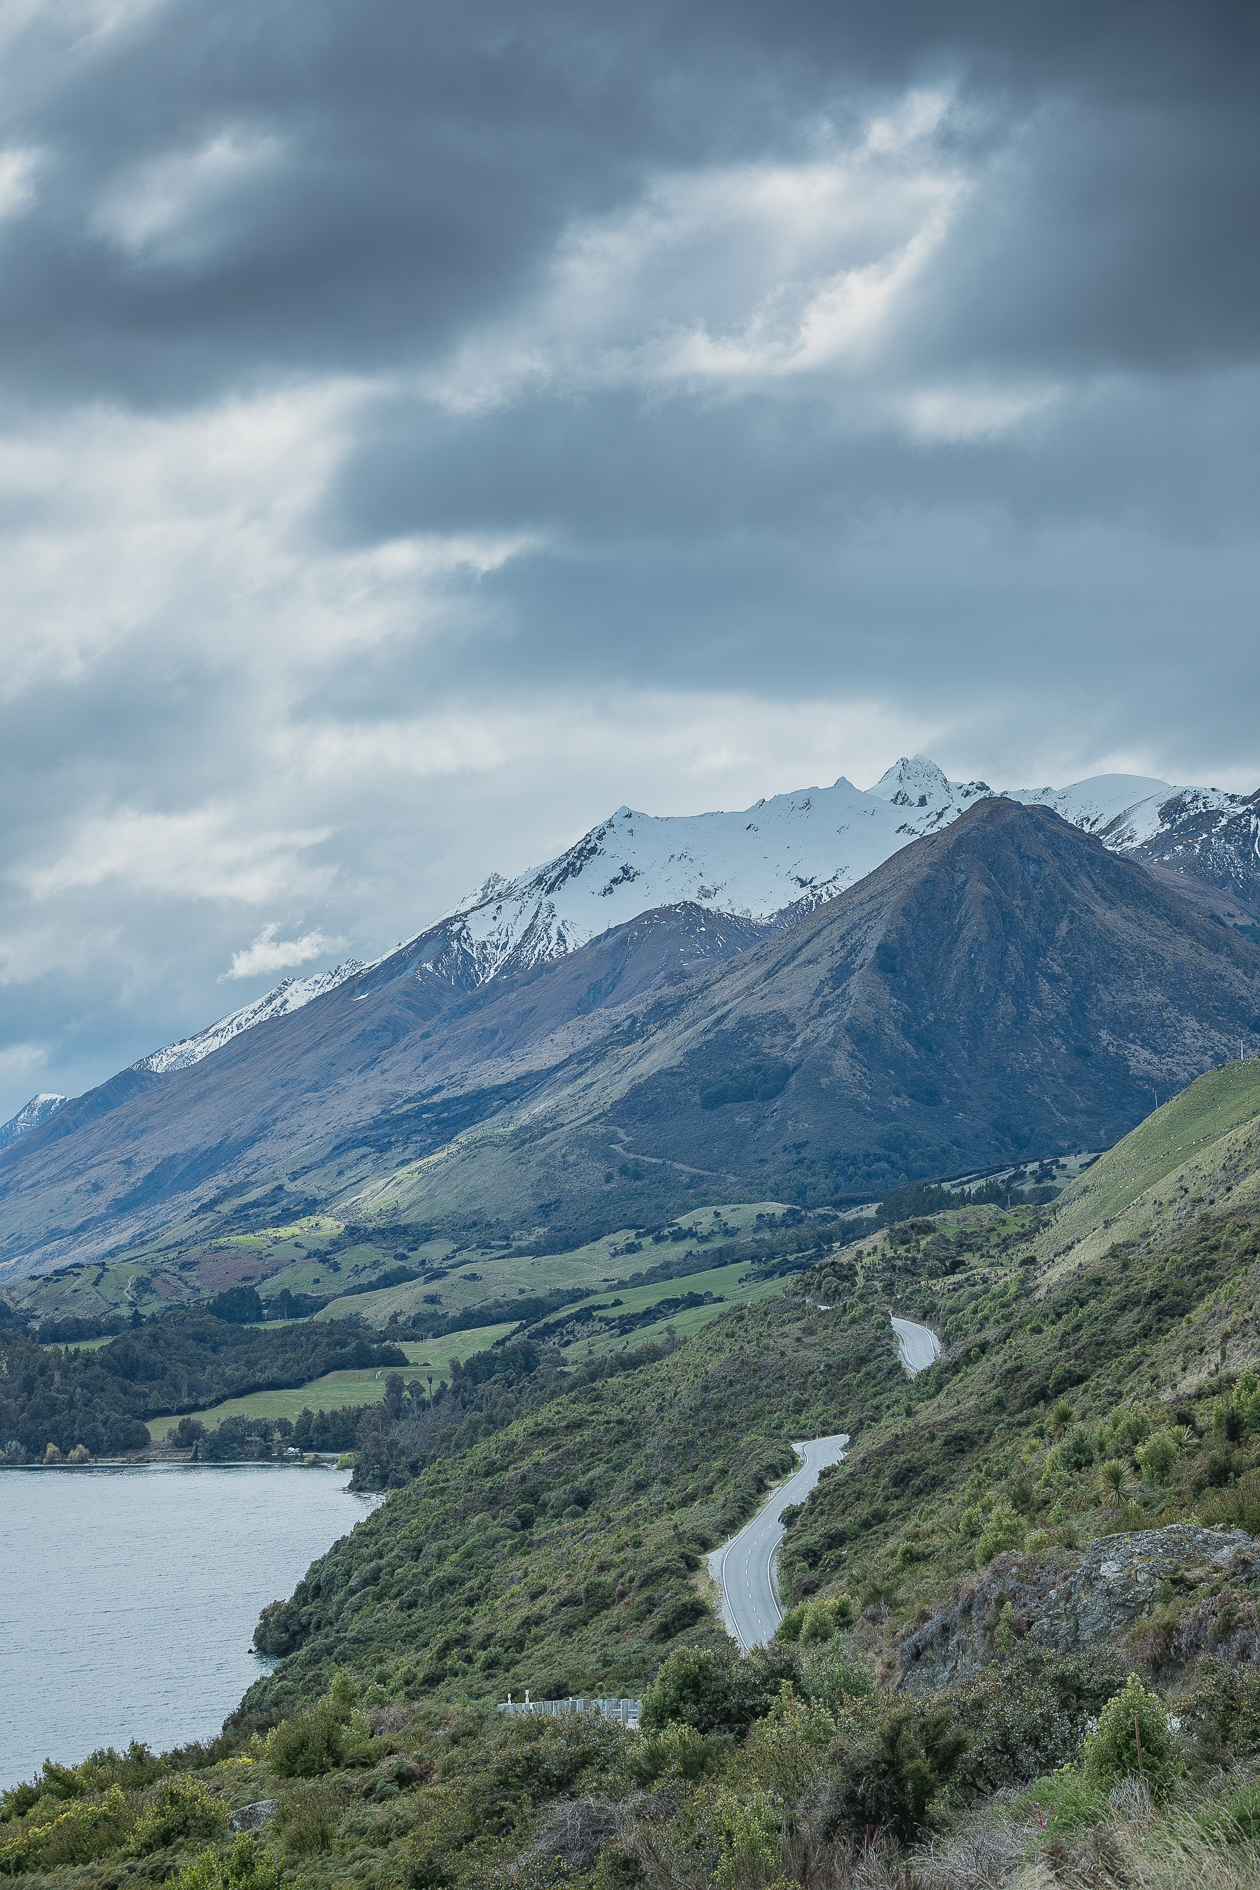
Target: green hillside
<point>1097,1385</point>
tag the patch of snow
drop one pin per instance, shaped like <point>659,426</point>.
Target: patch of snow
<point>288,996</point>
<point>30,1116</point>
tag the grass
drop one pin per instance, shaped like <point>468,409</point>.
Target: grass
<point>730,1283</point>
<point>312,1256</point>
<point>600,1263</point>
<point>1175,1144</point>
<point>336,1389</point>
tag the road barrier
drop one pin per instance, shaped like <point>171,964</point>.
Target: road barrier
<point>627,1711</point>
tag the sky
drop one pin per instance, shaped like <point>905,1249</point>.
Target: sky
<point>424,428</point>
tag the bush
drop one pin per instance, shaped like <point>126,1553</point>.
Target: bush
<point>831,1674</point>
<point>1112,1752</point>
<point>892,1760</point>
<point>816,1620</point>
<point>311,1743</point>
<point>1157,1458</point>
<point>244,1867</point>
<point>1076,1452</point>
<point>175,1811</point>
<point>1025,1715</point>
<point>75,1836</point>
<point>678,1749</point>
<point>716,1691</point>
<point>1003,1530</point>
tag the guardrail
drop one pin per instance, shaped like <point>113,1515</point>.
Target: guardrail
<point>626,1711</point>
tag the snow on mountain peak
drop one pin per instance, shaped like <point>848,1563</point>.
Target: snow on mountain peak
<point>30,1116</point>
<point>289,995</point>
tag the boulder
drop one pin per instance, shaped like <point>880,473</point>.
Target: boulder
<point>1064,1611</point>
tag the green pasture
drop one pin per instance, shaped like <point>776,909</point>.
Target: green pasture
<point>336,1389</point>
<point>729,1282</point>
<point>1174,1134</point>
<point>503,1273</point>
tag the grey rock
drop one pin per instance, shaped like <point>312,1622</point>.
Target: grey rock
<point>253,1817</point>
<point>957,1641</point>
<point>1064,1612</point>
<point>1116,1582</point>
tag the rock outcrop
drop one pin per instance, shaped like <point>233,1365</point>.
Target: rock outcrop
<point>1119,1581</point>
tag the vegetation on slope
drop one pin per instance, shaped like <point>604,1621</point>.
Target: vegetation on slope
<point>1077,1398</point>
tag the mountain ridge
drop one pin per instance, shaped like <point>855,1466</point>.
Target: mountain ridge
<point>1205,839</point>
<point>836,1057</point>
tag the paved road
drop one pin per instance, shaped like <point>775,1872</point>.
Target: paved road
<point>918,1346</point>
<point>742,1568</point>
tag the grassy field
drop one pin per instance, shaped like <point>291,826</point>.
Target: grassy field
<point>1182,1156</point>
<point>311,1256</point>
<point>477,1278</point>
<point>729,1285</point>
<point>336,1389</point>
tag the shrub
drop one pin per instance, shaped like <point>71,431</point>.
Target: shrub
<point>1239,1504</point>
<point>307,1822</point>
<point>1076,1452</point>
<point>310,1743</point>
<point>716,1691</point>
<point>83,1832</point>
<point>1112,1752</point>
<point>1069,1802</point>
<point>1113,1479</point>
<point>749,1829</point>
<point>244,1867</point>
<point>678,1749</point>
<point>832,1673</point>
<point>1003,1530</point>
<point>816,1620</point>
<point>1156,1458</point>
<point>1025,1715</point>
<point>176,1810</point>
<point>892,1760</point>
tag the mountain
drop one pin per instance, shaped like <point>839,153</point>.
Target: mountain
<point>779,859</point>
<point>288,996</point>
<point>768,865</point>
<point>36,1111</point>
<point>1003,986</point>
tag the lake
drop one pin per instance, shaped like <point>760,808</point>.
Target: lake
<point>128,1597</point>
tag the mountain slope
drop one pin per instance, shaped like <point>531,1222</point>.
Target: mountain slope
<point>36,1112</point>
<point>146,1150</point>
<point>784,856</point>
<point>1006,985</point>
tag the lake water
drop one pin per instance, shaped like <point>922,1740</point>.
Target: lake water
<point>128,1597</point>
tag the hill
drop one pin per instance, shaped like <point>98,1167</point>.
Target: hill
<point>1071,1494</point>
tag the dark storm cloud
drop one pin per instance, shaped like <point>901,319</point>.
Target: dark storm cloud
<point>389,172</point>
<point>424,427</point>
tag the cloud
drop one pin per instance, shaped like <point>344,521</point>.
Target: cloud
<point>268,954</point>
<point>421,433</point>
<point>180,207</point>
<point>203,854</point>
<point>19,1061</point>
<point>17,178</point>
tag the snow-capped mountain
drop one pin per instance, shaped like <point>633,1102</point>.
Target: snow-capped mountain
<point>772,862</point>
<point>768,864</point>
<point>290,995</point>
<point>36,1111</point>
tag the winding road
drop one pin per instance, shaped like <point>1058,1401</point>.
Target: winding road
<point>918,1345</point>
<point>743,1568</point>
